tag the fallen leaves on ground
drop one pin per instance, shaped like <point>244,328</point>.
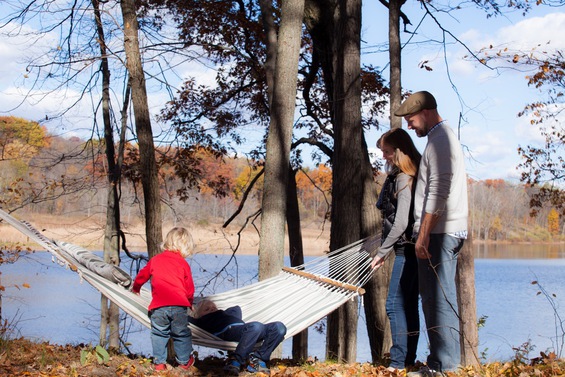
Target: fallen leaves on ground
<point>21,357</point>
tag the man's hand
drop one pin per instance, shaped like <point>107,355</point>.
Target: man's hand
<point>429,221</point>
<point>377,262</point>
<point>422,244</point>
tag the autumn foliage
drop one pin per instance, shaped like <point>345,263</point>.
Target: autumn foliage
<point>57,176</point>
<point>49,174</point>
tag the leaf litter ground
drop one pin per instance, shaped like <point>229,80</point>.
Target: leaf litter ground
<point>22,357</point>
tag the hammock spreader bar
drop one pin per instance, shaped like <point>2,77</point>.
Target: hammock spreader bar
<point>324,279</point>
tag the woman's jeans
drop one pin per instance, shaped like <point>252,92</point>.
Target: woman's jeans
<point>247,336</point>
<point>402,308</point>
<point>439,301</point>
<point>170,322</point>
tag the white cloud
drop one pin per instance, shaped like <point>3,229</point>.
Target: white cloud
<point>15,52</point>
<point>461,67</point>
<point>535,31</point>
<point>19,95</point>
<point>527,132</point>
<point>526,34</point>
<point>205,74</point>
<point>492,99</point>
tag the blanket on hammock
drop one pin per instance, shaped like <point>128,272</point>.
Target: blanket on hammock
<point>97,265</point>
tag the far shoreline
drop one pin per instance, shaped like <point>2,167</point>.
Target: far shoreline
<point>209,238</point>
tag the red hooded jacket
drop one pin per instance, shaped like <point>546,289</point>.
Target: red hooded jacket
<point>171,280</point>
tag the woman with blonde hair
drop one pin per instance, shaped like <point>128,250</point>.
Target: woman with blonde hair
<point>396,202</point>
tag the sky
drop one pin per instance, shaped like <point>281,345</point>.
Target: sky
<point>487,101</point>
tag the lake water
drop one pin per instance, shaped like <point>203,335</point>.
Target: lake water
<point>59,308</point>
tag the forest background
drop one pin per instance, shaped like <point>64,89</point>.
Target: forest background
<point>76,210</point>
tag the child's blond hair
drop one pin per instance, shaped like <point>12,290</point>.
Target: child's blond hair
<point>204,307</point>
<point>180,240</point>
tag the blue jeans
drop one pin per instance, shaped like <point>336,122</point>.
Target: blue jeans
<point>170,322</point>
<point>402,308</point>
<point>439,301</point>
<point>247,336</point>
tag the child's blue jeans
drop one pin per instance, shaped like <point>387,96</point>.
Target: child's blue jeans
<point>170,322</point>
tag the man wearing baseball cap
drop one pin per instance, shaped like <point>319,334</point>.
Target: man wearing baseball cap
<point>440,213</point>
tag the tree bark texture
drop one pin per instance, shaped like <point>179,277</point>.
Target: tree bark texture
<point>270,28</point>
<point>273,209</point>
<point>378,326</point>
<point>110,316</point>
<point>148,166</point>
<point>394,52</point>
<point>354,215</point>
<point>348,172</point>
<point>467,305</point>
<point>296,254</point>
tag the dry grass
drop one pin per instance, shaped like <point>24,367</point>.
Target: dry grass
<point>209,238</point>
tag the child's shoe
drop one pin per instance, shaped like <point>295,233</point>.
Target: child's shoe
<point>160,367</point>
<point>257,365</point>
<point>232,367</point>
<point>188,364</point>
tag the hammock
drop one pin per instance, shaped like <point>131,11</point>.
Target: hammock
<point>298,296</point>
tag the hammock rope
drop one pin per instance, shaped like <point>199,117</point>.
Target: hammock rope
<point>298,296</point>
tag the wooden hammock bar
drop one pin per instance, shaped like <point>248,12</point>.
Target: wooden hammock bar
<point>326,280</point>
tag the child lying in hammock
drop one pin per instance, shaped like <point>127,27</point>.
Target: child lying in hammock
<point>228,325</point>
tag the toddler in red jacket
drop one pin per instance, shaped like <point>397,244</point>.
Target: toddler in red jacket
<point>172,290</point>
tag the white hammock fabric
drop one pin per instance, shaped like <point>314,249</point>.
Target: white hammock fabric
<point>298,296</point>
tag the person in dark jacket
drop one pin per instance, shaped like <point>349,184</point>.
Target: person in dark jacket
<point>228,325</point>
<point>396,203</point>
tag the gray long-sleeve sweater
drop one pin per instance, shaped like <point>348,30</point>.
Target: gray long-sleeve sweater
<point>442,182</point>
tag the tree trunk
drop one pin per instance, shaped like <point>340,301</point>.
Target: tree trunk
<point>296,254</point>
<point>378,326</point>
<point>467,305</point>
<point>395,60</point>
<point>348,163</point>
<point>148,165</point>
<point>341,335</point>
<point>273,209</point>
<point>335,29</point>
<point>110,314</point>
<point>271,31</point>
